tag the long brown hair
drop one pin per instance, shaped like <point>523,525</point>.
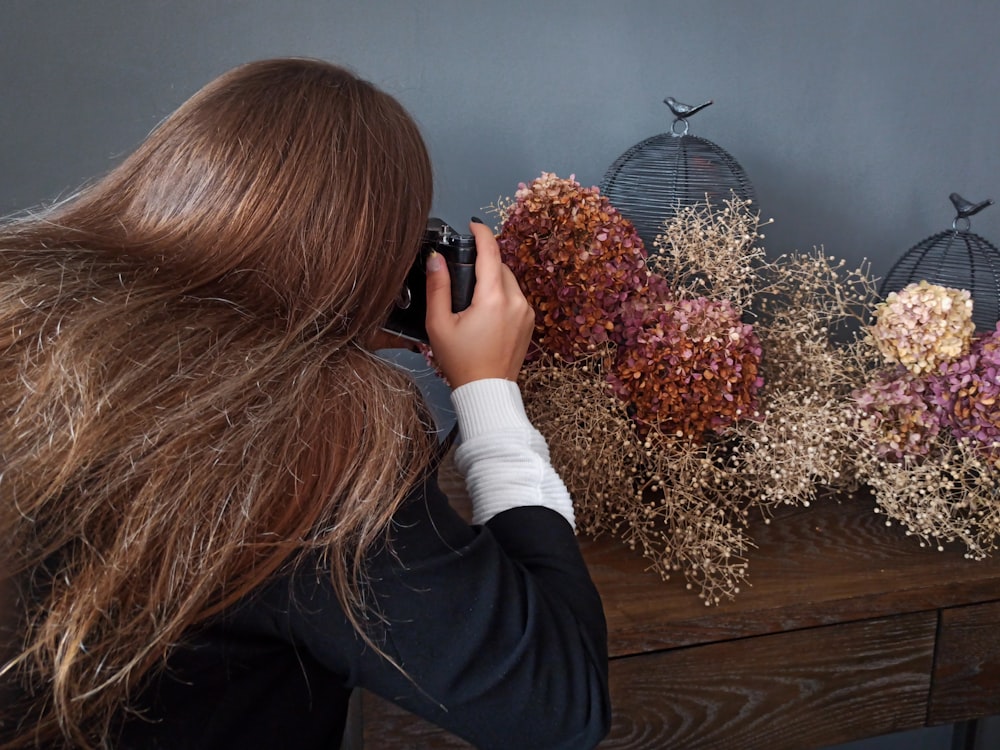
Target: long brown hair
<point>186,395</point>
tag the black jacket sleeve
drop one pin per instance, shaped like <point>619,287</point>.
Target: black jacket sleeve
<point>495,633</point>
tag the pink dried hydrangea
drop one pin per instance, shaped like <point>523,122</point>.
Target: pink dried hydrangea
<point>967,391</point>
<point>688,366</point>
<point>895,407</point>
<point>923,325</point>
<point>577,260</point>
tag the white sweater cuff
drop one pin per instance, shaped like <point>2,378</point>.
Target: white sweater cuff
<point>504,459</point>
<point>487,406</point>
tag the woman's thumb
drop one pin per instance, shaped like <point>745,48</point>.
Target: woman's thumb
<point>438,287</point>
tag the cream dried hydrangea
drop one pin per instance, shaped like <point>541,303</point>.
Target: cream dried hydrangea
<point>924,325</point>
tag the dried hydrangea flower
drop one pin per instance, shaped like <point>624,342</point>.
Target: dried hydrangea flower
<point>895,408</point>
<point>923,325</point>
<point>577,260</point>
<point>967,391</point>
<point>687,366</point>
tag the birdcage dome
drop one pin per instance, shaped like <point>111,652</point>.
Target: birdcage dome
<point>955,258</point>
<point>654,179</point>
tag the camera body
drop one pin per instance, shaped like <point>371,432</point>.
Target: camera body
<point>459,251</point>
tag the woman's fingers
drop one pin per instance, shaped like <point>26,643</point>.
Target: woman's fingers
<point>488,339</point>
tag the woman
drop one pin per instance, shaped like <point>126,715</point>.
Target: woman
<point>222,506</point>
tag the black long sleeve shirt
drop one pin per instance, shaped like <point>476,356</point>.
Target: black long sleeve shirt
<point>497,633</point>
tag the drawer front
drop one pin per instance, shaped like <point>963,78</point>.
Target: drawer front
<point>966,681</point>
<point>802,689</point>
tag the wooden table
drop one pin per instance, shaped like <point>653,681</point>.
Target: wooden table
<point>850,629</point>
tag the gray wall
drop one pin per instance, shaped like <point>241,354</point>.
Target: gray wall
<point>854,119</point>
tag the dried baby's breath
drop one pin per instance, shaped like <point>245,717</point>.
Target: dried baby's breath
<point>952,497</point>
<point>669,499</point>
<point>708,252</point>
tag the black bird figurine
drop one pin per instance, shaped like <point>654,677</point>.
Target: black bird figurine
<point>968,208</point>
<point>682,111</point>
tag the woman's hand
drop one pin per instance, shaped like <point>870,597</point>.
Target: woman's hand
<point>489,338</point>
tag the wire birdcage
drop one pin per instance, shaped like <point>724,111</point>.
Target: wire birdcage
<point>654,179</point>
<point>956,258</point>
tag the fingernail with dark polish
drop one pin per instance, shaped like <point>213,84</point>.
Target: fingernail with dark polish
<point>477,220</point>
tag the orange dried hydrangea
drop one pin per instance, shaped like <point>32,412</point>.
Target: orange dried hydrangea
<point>689,366</point>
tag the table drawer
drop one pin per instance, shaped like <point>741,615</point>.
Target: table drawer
<point>801,689</point>
<point>967,665</point>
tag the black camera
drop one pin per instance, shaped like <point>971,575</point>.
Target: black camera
<point>459,252</point>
